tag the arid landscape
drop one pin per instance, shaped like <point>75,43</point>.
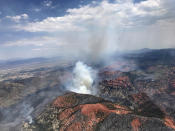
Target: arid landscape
<point>87,65</point>
<point>135,92</point>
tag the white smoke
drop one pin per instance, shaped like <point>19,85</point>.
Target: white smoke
<point>83,79</point>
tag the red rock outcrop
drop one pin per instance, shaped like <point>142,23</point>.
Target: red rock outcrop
<point>91,114</point>
<point>169,122</point>
<point>78,112</point>
<point>136,124</point>
<point>122,81</point>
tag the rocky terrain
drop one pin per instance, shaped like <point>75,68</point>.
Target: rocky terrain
<point>135,92</point>
<point>86,112</point>
<point>26,89</point>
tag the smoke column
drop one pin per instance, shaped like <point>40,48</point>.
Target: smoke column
<point>83,79</point>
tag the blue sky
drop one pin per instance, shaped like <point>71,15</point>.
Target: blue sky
<point>47,28</point>
<point>44,8</point>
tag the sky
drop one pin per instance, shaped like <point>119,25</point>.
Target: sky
<point>89,28</point>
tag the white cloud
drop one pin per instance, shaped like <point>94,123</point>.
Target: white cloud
<point>37,9</point>
<point>47,3</point>
<point>36,41</point>
<point>123,14</point>
<point>50,24</point>
<point>100,28</point>
<point>17,18</point>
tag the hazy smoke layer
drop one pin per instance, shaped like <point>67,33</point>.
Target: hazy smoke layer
<point>83,79</point>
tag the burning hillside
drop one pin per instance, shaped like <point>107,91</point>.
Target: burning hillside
<point>127,99</point>
<point>92,97</point>
<point>86,112</point>
<point>87,65</point>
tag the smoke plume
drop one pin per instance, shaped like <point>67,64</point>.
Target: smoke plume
<point>83,79</point>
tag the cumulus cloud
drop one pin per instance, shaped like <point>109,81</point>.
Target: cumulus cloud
<point>120,13</point>
<point>17,18</point>
<point>101,28</point>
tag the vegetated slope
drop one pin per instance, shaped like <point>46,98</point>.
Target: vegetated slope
<point>77,112</point>
<point>134,94</point>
